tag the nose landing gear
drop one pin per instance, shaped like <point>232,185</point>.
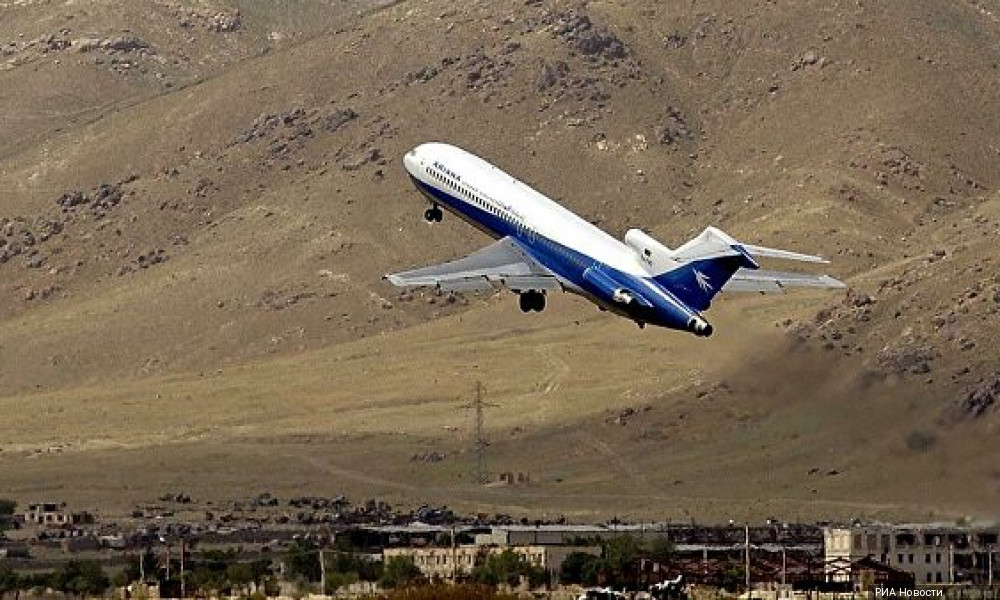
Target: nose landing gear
<point>433,214</point>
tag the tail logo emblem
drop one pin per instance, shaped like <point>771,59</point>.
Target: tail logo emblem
<point>703,281</point>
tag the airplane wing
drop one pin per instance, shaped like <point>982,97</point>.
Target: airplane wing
<point>501,263</point>
<point>756,280</point>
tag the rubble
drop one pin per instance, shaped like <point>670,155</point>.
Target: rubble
<point>124,44</point>
<point>912,357</point>
<point>429,457</point>
<point>675,40</point>
<point>482,70</point>
<point>209,18</point>
<point>153,257</point>
<point>268,123</point>
<point>422,76</point>
<point>100,201</point>
<point>982,399</point>
<point>20,236</point>
<point>674,128</point>
<point>280,300</point>
<point>225,22</point>
<point>551,74</point>
<point>591,41</point>
<point>808,59</point>
<point>370,155</point>
<point>338,119</point>
<point>857,299</point>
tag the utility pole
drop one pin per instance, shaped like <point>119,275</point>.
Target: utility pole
<point>168,561</point>
<point>747,530</point>
<point>989,562</point>
<point>784,566</point>
<point>322,572</point>
<point>142,567</point>
<point>951,563</point>
<point>183,590</point>
<point>481,444</point>
<point>454,556</point>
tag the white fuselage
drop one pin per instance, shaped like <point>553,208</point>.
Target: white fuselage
<point>481,185</point>
<point>583,258</point>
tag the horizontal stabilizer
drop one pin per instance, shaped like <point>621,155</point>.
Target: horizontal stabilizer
<point>783,254</point>
<point>757,280</point>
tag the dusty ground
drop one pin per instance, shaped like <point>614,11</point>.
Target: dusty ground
<point>204,195</point>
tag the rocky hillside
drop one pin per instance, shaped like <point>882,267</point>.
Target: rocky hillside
<point>200,198</point>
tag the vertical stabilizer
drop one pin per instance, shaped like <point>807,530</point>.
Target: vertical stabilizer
<point>703,266</point>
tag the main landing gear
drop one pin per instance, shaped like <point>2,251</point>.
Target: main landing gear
<point>433,214</point>
<point>531,301</point>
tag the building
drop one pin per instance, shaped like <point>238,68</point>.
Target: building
<point>517,535</point>
<point>54,514</point>
<point>13,549</point>
<point>931,553</point>
<point>459,561</point>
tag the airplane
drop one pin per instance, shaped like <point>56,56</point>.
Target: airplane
<point>543,247</point>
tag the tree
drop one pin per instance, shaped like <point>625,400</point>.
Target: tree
<point>7,508</point>
<point>398,572</point>
<point>622,554</point>
<point>508,567</point>
<point>337,580</point>
<point>207,580</point>
<point>573,566</point>
<point>660,550</point>
<point>239,575</point>
<point>303,560</point>
<point>598,572</point>
<point>10,581</point>
<point>733,578</point>
<point>121,579</point>
<point>364,568</point>
<point>133,570</point>
<point>80,578</point>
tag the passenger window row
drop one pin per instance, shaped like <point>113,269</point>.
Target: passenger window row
<point>500,213</point>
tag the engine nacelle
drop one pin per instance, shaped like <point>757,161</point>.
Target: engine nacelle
<point>609,287</point>
<point>655,256</point>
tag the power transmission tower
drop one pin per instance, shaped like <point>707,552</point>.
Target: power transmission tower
<point>481,443</point>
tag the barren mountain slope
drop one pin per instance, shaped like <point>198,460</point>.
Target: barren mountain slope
<point>193,244</point>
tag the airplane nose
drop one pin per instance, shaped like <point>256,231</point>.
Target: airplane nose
<point>410,161</point>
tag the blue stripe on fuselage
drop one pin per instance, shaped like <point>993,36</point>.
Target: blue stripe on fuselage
<point>567,263</point>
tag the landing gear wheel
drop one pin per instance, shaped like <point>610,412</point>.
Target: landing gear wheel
<point>531,301</point>
<point>539,302</point>
<point>524,301</point>
<point>433,214</point>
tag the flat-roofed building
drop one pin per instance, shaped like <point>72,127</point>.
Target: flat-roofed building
<point>931,553</point>
<point>446,562</point>
<point>55,514</point>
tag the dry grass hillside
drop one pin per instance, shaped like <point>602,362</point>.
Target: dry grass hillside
<point>199,198</point>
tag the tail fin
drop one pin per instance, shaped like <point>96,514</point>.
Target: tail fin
<point>704,265</point>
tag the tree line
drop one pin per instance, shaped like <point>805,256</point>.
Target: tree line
<point>218,572</point>
<point>619,562</point>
